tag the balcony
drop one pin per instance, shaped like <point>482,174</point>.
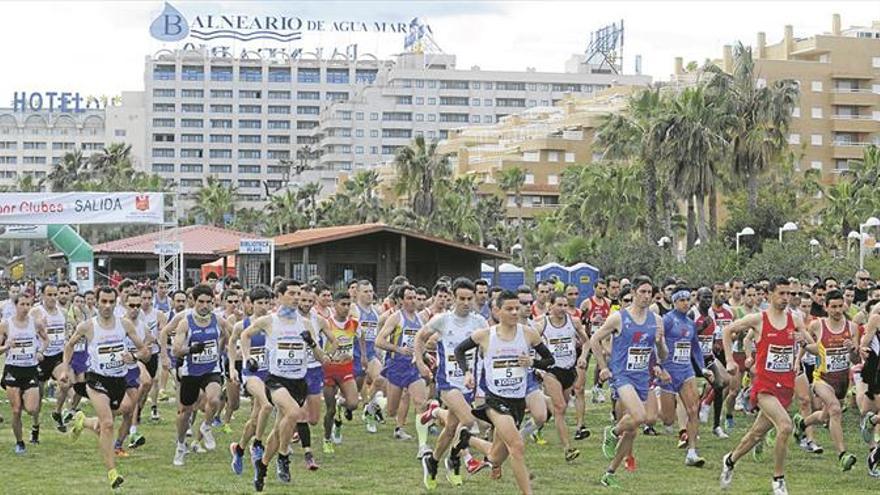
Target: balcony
<point>858,97</point>
<point>848,149</point>
<point>854,123</point>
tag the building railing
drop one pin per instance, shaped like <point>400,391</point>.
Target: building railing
<point>852,90</point>
<point>851,117</point>
<point>851,144</point>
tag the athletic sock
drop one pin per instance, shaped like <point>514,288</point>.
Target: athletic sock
<point>238,449</point>
<point>132,430</point>
<point>728,459</point>
<point>692,453</point>
<point>258,443</point>
<point>305,434</point>
<point>777,478</point>
<point>422,434</point>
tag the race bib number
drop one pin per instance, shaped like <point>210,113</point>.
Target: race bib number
<point>409,337</point>
<point>562,347</point>
<point>290,356</point>
<point>344,350</point>
<point>23,350</point>
<point>837,359</point>
<point>507,373</point>
<point>706,344</point>
<point>56,336</point>
<point>110,357</point>
<point>682,353</point>
<point>208,355</point>
<point>259,355</point>
<point>637,358</point>
<point>780,358</point>
<point>369,330</point>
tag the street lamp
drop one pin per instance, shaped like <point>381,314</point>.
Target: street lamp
<point>492,247</point>
<point>745,231</point>
<point>853,235</point>
<point>872,222</point>
<point>814,243</point>
<point>788,227</point>
<point>664,241</point>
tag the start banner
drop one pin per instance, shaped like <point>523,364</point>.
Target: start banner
<point>81,208</point>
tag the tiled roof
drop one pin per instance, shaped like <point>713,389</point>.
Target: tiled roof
<point>196,239</point>
<point>310,237</point>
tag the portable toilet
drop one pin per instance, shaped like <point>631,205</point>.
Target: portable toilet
<point>584,276</point>
<point>549,270</point>
<point>487,272</point>
<point>510,276</point>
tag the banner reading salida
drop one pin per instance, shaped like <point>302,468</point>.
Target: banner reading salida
<point>81,208</point>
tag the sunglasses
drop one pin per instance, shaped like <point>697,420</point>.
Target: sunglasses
<point>627,300</point>
<point>134,305</point>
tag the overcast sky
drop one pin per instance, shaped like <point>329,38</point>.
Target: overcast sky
<point>99,47</point>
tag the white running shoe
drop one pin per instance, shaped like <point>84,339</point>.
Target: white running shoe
<point>779,487</point>
<point>704,413</point>
<point>196,448</point>
<point>423,449</point>
<point>399,434</point>
<point>720,433</point>
<point>179,456</point>
<point>208,436</point>
<point>726,473</point>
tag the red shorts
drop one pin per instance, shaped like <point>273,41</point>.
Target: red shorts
<point>782,394</point>
<point>740,359</point>
<point>338,373</point>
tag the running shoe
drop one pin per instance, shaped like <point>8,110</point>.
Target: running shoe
<point>581,433</point>
<point>35,435</point>
<point>154,415</point>
<point>196,448</point>
<point>867,427</point>
<point>208,436</point>
<point>216,423</point>
<point>813,447</point>
<point>336,433</point>
<point>799,426</point>
<point>704,413</point>
<point>59,422</point>
<point>453,471</point>
<point>423,450</point>
<point>720,433</point>
<point>429,469</point>
<point>282,468</point>
<point>528,428</point>
<point>847,461</point>
<point>538,437</point>
<point>475,465</point>
<point>779,487</point>
<point>311,465</point>
<point>609,442</point>
<point>695,461</point>
<point>68,416</point>
<point>726,472</point>
<point>329,447</point>
<point>260,470</point>
<point>115,479</point>
<point>572,454</point>
<point>728,423</point>
<point>630,464</point>
<point>136,440</point>
<point>179,456</point>
<point>78,424</point>
<point>237,463</point>
<point>399,434</point>
<point>163,396</point>
<point>650,431</point>
<point>256,453</point>
<point>610,480</point>
<point>20,448</point>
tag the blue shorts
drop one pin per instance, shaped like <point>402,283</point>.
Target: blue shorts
<point>261,374</point>
<point>315,380</point>
<point>531,382</point>
<point>371,355</point>
<point>469,395</point>
<point>80,362</point>
<point>401,373</point>
<point>678,379</point>
<point>640,386</point>
<point>132,378</point>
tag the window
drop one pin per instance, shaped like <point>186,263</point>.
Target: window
<point>163,153</point>
<point>249,139</point>
<point>531,156</point>
<point>397,116</point>
<point>163,93</point>
<point>221,73</point>
<point>530,179</point>
<point>374,150</point>
<point>359,133</point>
<point>454,100</point>
<point>159,138</point>
<point>432,101</point>
<point>192,73</point>
<point>221,108</point>
<point>163,167</point>
<point>531,103</point>
<point>816,140</point>
<point>250,108</point>
<point>374,116</point>
<point>374,133</point>
<point>397,133</point>
<point>279,74</point>
<point>195,168</point>
<point>34,160</point>
<point>250,74</point>
<point>487,102</point>
<point>487,119</point>
<point>221,138</point>
<point>390,150</point>
<point>192,107</point>
<point>221,93</point>
<point>875,88</point>
<point>220,169</point>
<point>510,102</point>
<point>164,107</point>
<point>359,150</point>
<point>250,94</point>
<point>454,84</point>
<point>337,76</point>
<point>279,140</point>
<point>249,154</point>
<point>816,86</point>
<point>220,154</point>
<point>34,145</point>
<point>565,87</point>
<point>552,180</point>
<point>365,76</point>
<point>306,140</point>
<point>454,117</point>
<point>796,112</point>
<point>276,169</point>
<point>192,93</point>
<point>308,95</point>
<point>816,165</point>
<point>308,75</point>
<point>249,169</point>
<point>403,100</point>
<point>533,87</point>
<point>475,102</point>
<point>163,122</point>
<point>475,119</point>
<point>303,124</point>
<point>249,124</point>
<point>307,110</point>
<point>279,95</point>
<point>279,109</point>
<point>816,112</point>
<point>552,156</point>
<point>510,86</point>
<point>875,62</point>
<point>191,138</point>
<point>420,117</point>
<point>191,153</point>
<point>279,154</point>
<point>337,96</point>
<point>163,73</point>
<point>191,182</point>
<point>432,117</point>
<point>192,123</point>
<point>343,114</point>
<point>794,139</point>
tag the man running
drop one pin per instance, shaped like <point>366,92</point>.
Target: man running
<point>506,357</point>
<point>339,371</point>
<point>23,339</point>
<point>712,350</point>
<point>777,334</point>
<point>595,310</point>
<point>155,320</point>
<point>106,336</point>
<point>638,333</point>
<point>367,366</point>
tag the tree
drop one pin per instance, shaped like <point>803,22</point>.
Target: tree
<point>511,181</point>
<point>308,194</point>
<point>285,215</point>
<point>762,114</point>
<point>361,188</point>
<point>249,220</point>
<point>421,175</point>
<point>68,172</point>
<point>214,201</point>
<point>112,167</point>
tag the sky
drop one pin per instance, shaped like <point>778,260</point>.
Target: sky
<point>98,48</point>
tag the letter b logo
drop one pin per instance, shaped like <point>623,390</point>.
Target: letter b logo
<point>170,25</point>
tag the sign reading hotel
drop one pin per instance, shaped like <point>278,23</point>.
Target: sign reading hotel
<point>171,26</point>
<point>53,101</point>
<point>81,208</point>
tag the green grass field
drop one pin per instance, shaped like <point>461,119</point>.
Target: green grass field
<point>377,464</point>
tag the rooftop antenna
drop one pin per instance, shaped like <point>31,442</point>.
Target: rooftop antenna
<point>420,38</point>
<point>605,51</point>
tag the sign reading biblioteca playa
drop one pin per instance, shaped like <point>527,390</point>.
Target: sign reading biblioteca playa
<point>81,208</point>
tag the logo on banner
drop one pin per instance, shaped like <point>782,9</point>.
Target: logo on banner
<point>142,202</point>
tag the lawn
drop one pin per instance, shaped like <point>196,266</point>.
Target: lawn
<point>377,464</point>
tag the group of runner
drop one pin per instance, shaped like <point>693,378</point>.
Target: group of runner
<point>483,367</point>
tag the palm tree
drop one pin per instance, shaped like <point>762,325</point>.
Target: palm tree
<point>214,201</point>
<point>68,172</point>
<point>457,216</point>
<point>512,180</point>
<point>421,175</point>
<point>633,134</point>
<point>758,134</point>
<point>361,188</point>
<point>27,183</point>
<point>112,166</point>
<point>308,194</point>
<point>249,220</point>
<point>285,214</point>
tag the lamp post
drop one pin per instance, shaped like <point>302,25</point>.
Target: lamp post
<point>515,250</point>
<point>788,227</point>
<point>492,247</point>
<point>745,231</point>
<point>664,241</point>
<point>814,243</point>
<point>853,235</point>
<point>872,222</point>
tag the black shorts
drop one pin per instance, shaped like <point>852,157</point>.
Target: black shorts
<point>152,365</point>
<point>47,366</point>
<point>227,368</point>
<point>111,386</point>
<point>515,408</point>
<point>20,377</point>
<point>191,386</point>
<point>565,376</point>
<point>808,369</point>
<point>297,388</point>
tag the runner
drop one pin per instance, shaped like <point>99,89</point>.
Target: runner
<point>155,320</point>
<point>736,393</point>
<point>542,299</point>
<point>179,310</point>
<point>314,373</point>
<point>233,315</point>
<point>870,386</point>
<point>835,348</point>
<point>481,299</point>
<point>506,350</point>
<point>367,365</point>
<point>712,350</point>
<point>397,337</point>
<point>638,333</point>
<point>7,307</point>
<point>722,315</point>
<point>197,347</point>
<point>449,330</point>
<point>54,320</point>
<point>562,332</point>
<point>595,310</point>
<point>777,333</point>
<point>339,371</point>
<point>287,337</point>
<point>536,402</point>
<point>106,336</point>
<point>162,302</point>
<point>23,339</point>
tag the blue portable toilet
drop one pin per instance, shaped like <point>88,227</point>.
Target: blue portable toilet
<point>584,276</point>
<point>547,271</point>
<point>487,273</point>
<point>510,276</point>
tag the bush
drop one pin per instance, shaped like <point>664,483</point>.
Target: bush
<point>705,264</point>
